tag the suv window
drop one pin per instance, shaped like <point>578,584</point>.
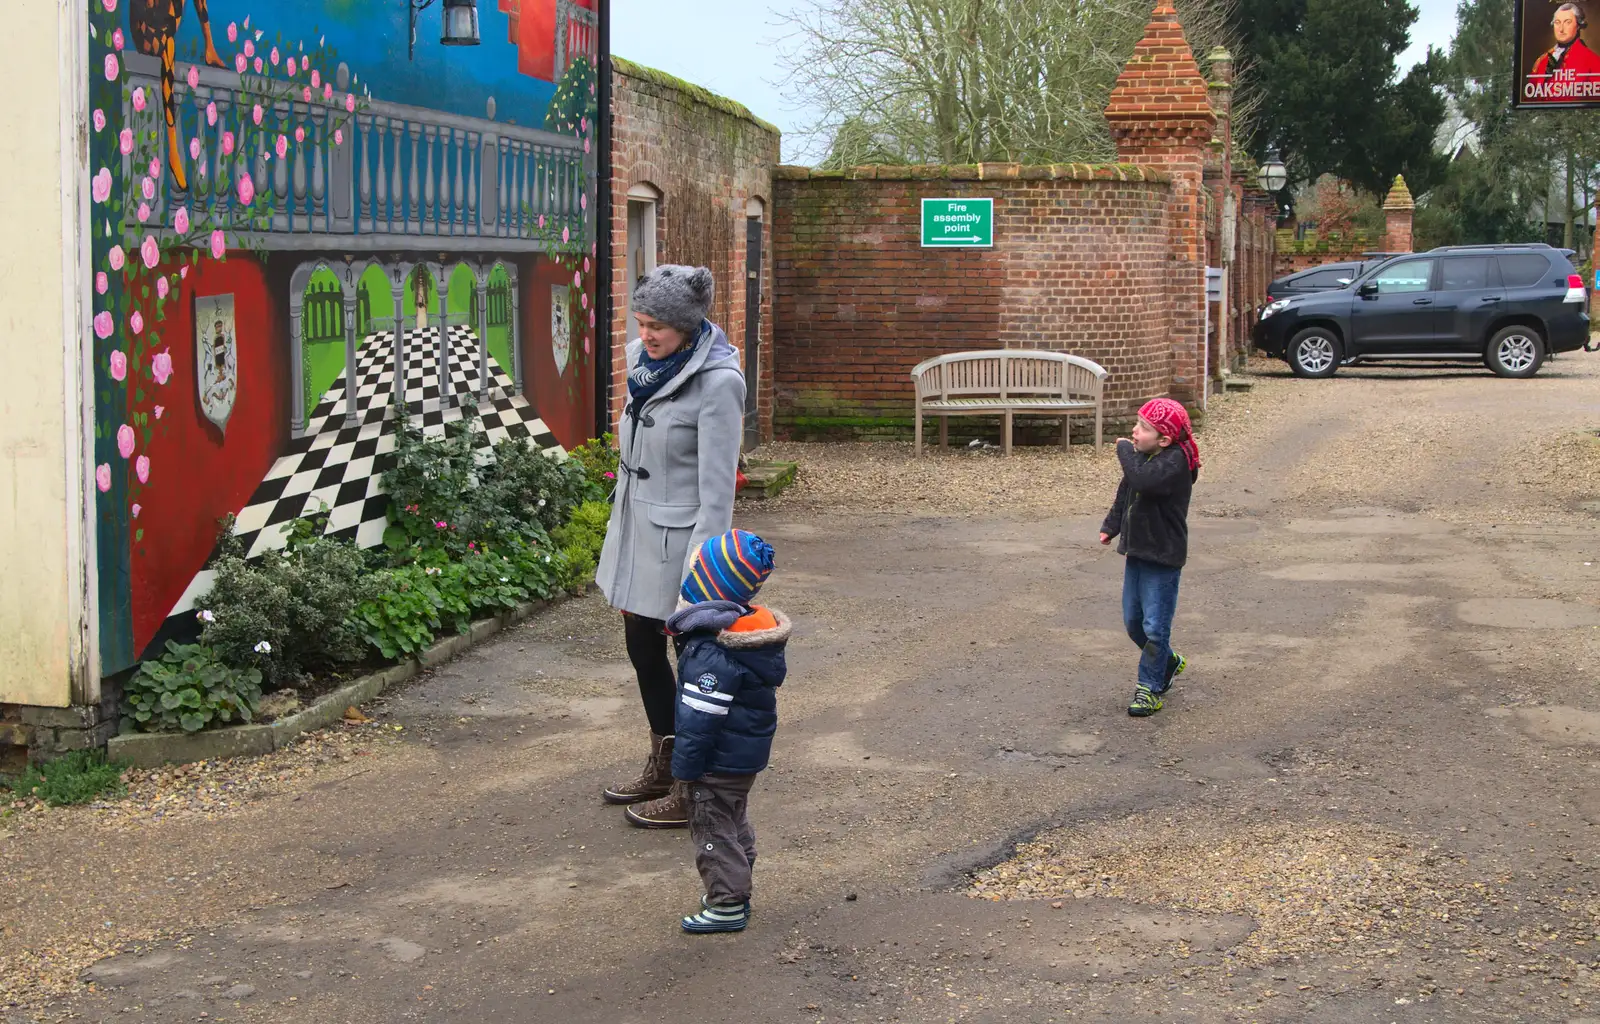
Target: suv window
<point>1523,270</point>
<point>1466,274</point>
<point>1405,276</point>
<point>1322,279</point>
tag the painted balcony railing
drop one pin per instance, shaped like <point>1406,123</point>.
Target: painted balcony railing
<point>380,177</point>
<point>577,35</point>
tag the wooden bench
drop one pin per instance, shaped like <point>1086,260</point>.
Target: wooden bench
<point>1009,383</point>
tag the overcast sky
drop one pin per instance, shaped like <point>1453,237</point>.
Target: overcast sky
<point>731,47</point>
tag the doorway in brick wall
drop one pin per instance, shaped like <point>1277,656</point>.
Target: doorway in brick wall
<point>754,211</point>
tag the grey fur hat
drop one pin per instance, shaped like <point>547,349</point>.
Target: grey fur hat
<point>677,296</point>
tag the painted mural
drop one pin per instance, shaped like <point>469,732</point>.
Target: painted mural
<point>302,231</point>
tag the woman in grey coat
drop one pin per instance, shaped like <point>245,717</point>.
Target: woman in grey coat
<point>679,439</point>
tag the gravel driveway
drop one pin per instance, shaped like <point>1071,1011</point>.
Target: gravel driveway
<point>1372,798</point>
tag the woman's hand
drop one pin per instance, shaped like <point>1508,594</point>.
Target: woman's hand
<point>1105,538</point>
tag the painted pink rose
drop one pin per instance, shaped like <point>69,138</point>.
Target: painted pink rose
<point>138,99</point>
<point>586,343</point>
<point>316,79</point>
<point>141,469</point>
<point>136,322</point>
<point>161,366</point>
<point>350,103</point>
<point>227,143</point>
<point>275,56</point>
<point>591,321</point>
<point>283,146</point>
<point>249,47</point>
<point>148,187</point>
<point>194,149</point>
<point>163,286</point>
<point>102,283</point>
<point>109,5</point>
<point>150,250</point>
<point>292,67</point>
<point>125,441</point>
<point>327,91</point>
<point>305,94</point>
<point>100,187</point>
<point>583,200</point>
<point>299,135</point>
<point>99,120</point>
<point>180,220</point>
<point>566,235</point>
<point>116,257</point>
<point>143,212</point>
<point>111,67</point>
<point>103,325</point>
<point>259,66</point>
<point>586,145</point>
<point>102,472</point>
<point>155,167</point>
<point>577,279</point>
<point>541,220</point>
<point>239,63</point>
<point>233,32</point>
<point>219,245</point>
<point>161,411</point>
<point>183,273</point>
<point>247,190</point>
<point>255,113</point>
<point>338,136</point>
<point>117,40</point>
<point>135,510</point>
<point>211,113</point>
<point>193,77</point>
<point>583,300</point>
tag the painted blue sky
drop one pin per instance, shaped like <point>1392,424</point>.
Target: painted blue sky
<point>370,36</point>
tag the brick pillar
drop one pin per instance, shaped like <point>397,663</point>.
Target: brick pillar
<point>1398,211</point>
<point>1160,116</point>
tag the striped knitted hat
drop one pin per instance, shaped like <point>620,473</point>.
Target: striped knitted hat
<point>731,567</point>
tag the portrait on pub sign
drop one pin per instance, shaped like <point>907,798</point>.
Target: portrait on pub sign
<point>1558,54</point>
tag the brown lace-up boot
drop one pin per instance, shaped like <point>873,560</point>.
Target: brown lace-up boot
<point>671,811</point>
<point>654,781</point>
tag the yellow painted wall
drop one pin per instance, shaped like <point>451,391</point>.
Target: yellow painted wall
<point>43,651</point>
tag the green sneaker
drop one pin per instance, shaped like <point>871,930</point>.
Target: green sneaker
<point>1145,703</point>
<point>1175,669</point>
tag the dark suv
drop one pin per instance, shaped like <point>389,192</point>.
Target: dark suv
<point>1507,305</point>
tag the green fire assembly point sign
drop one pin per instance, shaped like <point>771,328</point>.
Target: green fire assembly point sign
<point>957,223</point>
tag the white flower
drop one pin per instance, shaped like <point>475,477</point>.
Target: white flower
<point>206,616</point>
<point>541,503</point>
<point>504,580</point>
<point>263,648</point>
<point>547,558</point>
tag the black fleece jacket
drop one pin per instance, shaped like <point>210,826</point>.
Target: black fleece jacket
<point>1150,517</point>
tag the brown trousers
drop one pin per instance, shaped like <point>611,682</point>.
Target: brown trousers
<point>724,842</point>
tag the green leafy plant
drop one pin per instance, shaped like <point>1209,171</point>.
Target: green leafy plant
<point>187,689</point>
<point>289,612</point>
<point>581,541</point>
<point>77,778</point>
<point>599,458</point>
<point>403,616</point>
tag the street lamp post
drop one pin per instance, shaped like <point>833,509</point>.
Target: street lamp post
<point>1273,175</point>
<point>460,23</point>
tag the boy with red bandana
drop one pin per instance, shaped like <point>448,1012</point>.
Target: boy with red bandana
<point>1150,518</point>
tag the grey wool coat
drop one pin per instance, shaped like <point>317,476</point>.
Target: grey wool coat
<point>686,440</point>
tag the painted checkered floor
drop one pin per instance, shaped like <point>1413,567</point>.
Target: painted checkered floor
<point>341,466</point>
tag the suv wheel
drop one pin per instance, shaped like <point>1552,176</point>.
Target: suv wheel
<point>1515,352</point>
<point>1315,352</point>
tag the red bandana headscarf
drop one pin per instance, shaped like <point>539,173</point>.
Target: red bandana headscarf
<point>1171,419</point>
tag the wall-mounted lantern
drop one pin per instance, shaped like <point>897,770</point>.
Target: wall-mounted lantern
<point>460,23</point>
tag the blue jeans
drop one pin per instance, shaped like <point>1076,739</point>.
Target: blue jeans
<point>1149,601</point>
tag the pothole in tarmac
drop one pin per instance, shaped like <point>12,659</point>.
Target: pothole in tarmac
<point>1310,886</point>
<point>1526,613</point>
<point>1558,726</point>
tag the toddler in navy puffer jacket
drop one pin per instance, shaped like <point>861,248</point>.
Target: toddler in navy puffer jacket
<point>729,670</point>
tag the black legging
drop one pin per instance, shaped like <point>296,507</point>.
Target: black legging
<point>658,684</point>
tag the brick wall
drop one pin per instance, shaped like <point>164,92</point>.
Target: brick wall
<point>1080,264</point>
<point>706,157</point>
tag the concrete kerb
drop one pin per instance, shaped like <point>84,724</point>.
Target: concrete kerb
<point>149,750</point>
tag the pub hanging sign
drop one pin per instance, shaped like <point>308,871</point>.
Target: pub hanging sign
<point>1557,54</point>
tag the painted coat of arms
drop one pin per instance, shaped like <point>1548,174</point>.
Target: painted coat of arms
<point>216,357</point>
<point>560,326</point>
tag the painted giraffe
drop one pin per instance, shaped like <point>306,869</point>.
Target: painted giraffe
<point>155,33</point>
